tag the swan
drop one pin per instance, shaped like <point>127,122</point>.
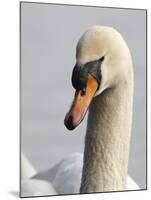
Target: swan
<point>103,80</point>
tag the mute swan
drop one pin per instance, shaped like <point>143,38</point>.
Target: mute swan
<point>103,70</point>
<point>103,79</point>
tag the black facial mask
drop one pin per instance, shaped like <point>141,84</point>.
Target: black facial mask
<point>80,73</point>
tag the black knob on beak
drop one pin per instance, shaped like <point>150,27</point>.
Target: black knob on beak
<point>79,77</point>
<point>80,73</point>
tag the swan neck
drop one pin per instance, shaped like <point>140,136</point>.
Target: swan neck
<point>107,141</point>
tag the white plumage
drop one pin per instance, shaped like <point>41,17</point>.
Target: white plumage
<point>35,187</point>
<point>27,170</point>
<point>30,186</point>
<point>63,178</point>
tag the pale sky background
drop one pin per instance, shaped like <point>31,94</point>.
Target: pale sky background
<point>48,40</point>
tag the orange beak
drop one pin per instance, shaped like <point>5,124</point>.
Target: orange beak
<point>81,104</point>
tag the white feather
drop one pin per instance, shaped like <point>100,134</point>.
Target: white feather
<point>63,178</point>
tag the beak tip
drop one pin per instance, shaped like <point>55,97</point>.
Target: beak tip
<point>68,122</point>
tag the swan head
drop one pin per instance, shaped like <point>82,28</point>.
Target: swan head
<point>103,61</point>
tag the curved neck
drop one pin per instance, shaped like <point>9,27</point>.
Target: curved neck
<point>107,140</point>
